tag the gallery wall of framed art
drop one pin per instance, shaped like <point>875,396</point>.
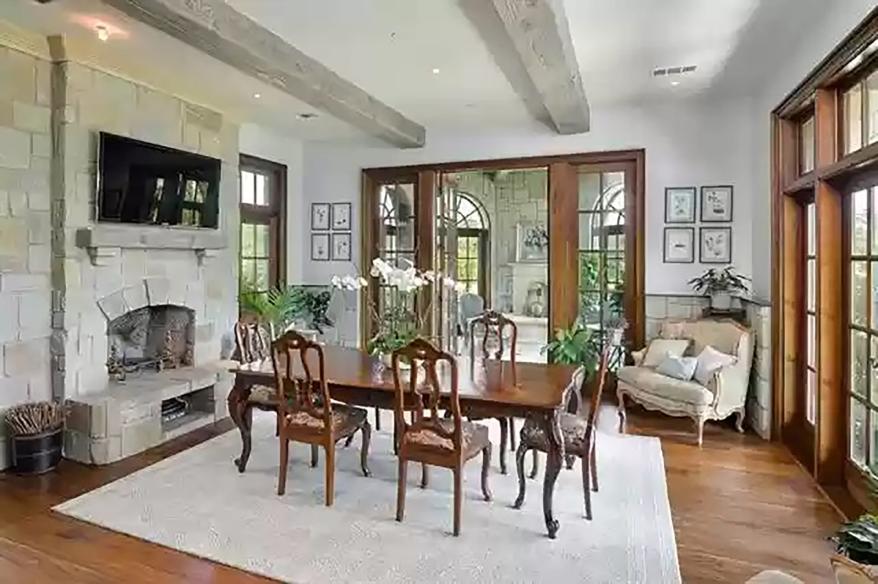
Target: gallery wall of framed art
<point>713,206</point>
<point>331,238</point>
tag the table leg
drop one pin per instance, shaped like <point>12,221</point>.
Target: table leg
<point>555,457</point>
<point>242,415</point>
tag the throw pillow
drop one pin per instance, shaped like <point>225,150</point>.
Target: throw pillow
<point>709,361</point>
<point>682,368</point>
<point>660,349</point>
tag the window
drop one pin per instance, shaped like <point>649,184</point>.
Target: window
<point>806,146</point>
<point>263,194</point>
<point>811,315</point>
<point>396,235</point>
<point>860,114</point>
<point>863,348</point>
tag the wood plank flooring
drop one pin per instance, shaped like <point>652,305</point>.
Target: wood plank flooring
<point>740,505</point>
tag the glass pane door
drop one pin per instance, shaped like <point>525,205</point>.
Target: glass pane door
<point>863,328</point>
<point>396,229</point>
<point>603,214</point>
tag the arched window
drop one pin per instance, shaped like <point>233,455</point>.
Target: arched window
<point>472,226</point>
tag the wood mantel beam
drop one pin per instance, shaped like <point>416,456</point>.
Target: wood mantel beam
<point>217,29</point>
<point>539,36</point>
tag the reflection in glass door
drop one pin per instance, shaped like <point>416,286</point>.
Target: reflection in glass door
<point>863,348</point>
<point>395,236</point>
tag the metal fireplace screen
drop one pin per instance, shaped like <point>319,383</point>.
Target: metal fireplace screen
<point>153,337</point>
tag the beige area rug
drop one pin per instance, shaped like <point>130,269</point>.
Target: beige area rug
<point>197,502</point>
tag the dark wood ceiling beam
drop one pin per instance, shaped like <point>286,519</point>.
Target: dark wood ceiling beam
<point>217,29</point>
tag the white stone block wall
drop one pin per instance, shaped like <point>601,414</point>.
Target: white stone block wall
<point>94,101</point>
<point>25,233</point>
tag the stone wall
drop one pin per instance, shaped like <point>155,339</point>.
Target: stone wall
<point>660,307</point>
<point>56,294</point>
<point>97,284</point>
<point>25,231</point>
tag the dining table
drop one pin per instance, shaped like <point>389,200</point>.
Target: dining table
<point>538,391</point>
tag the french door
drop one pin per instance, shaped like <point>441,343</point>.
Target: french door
<point>549,241</point>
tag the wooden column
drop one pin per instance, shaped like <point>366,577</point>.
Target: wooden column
<point>368,252</point>
<point>563,246</point>
<point>425,240</point>
<point>830,436</point>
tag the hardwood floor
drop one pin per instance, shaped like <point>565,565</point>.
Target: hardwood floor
<point>740,505</point>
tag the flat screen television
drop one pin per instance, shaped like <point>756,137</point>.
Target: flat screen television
<point>154,185</point>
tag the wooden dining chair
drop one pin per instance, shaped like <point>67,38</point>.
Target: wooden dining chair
<point>307,414</point>
<point>493,325</point>
<point>577,430</point>
<point>253,344</point>
<point>448,442</point>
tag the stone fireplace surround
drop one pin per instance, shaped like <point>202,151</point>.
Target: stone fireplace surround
<point>125,417</point>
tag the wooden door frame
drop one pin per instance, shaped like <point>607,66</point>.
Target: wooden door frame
<point>563,197</point>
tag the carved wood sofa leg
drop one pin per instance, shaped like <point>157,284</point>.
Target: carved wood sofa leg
<point>739,420</point>
<point>699,429</point>
<point>620,396</point>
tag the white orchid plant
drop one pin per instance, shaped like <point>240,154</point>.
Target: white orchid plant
<point>400,323</point>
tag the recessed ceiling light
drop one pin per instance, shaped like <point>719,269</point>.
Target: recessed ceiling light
<point>257,95</point>
<point>306,116</point>
<point>675,83</point>
<point>103,33</point>
<point>435,71</point>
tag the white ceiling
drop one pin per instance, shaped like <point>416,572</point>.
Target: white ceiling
<point>390,48</point>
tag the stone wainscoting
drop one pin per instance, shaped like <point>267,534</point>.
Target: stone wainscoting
<point>758,318</point>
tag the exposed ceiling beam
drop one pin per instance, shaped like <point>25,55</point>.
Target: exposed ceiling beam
<point>214,27</point>
<point>537,43</point>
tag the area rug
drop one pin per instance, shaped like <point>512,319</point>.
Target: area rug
<point>197,502</point>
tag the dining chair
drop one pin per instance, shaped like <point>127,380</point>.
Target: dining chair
<point>448,442</point>
<point>253,344</point>
<point>493,325</point>
<point>577,431</point>
<point>307,414</point>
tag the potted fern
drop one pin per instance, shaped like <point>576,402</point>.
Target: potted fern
<point>575,345</point>
<point>720,285</point>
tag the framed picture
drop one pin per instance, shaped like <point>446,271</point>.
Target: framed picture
<point>320,247</point>
<point>716,204</point>
<point>679,247</point>
<point>319,216</point>
<point>341,216</point>
<point>716,245</point>
<point>531,242</point>
<point>680,205</point>
<point>341,247</point>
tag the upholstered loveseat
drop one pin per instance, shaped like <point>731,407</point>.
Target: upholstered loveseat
<point>725,392</point>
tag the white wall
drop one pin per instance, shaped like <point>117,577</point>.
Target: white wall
<point>264,143</point>
<point>687,143</point>
<point>827,30</point>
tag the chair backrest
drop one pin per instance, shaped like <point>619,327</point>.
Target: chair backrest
<point>468,306</point>
<point>251,342</point>
<point>577,384</point>
<point>493,324</point>
<point>301,393</point>
<point>419,395</point>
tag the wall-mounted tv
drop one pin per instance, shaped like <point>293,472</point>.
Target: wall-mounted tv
<point>150,184</point>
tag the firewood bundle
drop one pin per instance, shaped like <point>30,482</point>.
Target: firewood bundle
<point>35,418</point>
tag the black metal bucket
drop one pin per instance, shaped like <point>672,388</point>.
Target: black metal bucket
<point>38,453</point>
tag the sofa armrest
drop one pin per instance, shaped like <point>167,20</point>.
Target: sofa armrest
<point>729,386</point>
<point>637,356</point>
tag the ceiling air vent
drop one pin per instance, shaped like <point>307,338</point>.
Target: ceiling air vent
<point>672,71</point>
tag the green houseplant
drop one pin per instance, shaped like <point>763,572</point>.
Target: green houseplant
<point>278,308</point>
<point>720,285</point>
<point>858,540</point>
<point>575,345</point>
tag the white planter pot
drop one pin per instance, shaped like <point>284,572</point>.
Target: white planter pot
<point>721,300</point>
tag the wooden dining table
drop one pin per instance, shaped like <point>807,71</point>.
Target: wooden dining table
<point>522,390</point>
